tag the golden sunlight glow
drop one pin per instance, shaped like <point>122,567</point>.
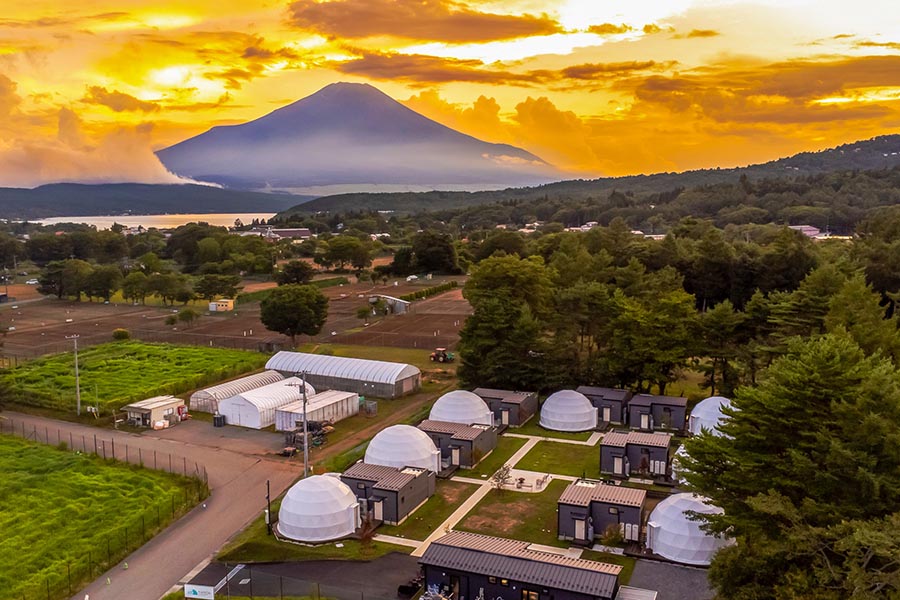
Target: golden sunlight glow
<point>860,95</point>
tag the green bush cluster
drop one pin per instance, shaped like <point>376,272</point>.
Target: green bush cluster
<point>428,292</point>
<point>260,295</point>
<point>121,334</point>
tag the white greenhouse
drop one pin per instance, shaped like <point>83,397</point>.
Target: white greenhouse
<point>365,377</point>
<point>402,446</point>
<point>332,405</point>
<point>207,400</point>
<point>256,408</point>
<point>673,535</point>
<point>460,406</point>
<point>568,410</point>
<point>708,415</point>
<point>319,508</point>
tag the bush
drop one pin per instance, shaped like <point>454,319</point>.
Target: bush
<point>121,334</point>
<point>428,292</point>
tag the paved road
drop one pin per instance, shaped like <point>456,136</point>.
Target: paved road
<point>238,484</point>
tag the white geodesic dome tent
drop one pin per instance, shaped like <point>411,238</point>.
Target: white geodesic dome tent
<point>672,534</point>
<point>403,446</point>
<point>256,408</point>
<point>678,468</point>
<point>568,410</point>
<point>460,406</point>
<point>708,415</point>
<point>318,509</point>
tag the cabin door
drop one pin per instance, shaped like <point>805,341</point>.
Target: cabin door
<point>645,421</point>
<point>378,510</point>
<point>618,465</point>
<point>454,456</point>
<point>580,529</point>
<point>607,414</point>
<point>504,416</point>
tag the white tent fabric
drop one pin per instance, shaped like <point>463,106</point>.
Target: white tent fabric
<point>460,406</point>
<point>568,410</point>
<point>318,509</point>
<point>678,467</point>
<point>673,535</point>
<point>403,446</point>
<point>256,408</point>
<point>207,400</point>
<point>708,415</point>
<point>337,366</point>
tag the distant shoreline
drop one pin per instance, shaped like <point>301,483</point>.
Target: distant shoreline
<point>158,221</point>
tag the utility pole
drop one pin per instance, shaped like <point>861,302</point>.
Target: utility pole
<point>268,508</point>
<point>302,386</point>
<point>74,338</point>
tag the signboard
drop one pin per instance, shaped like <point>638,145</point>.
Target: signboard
<point>203,592</point>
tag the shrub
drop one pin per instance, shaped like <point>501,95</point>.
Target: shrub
<point>121,334</point>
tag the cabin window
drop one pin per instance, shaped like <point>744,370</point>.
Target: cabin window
<point>360,486</point>
<point>613,510</point>
<point>504,582</point>
<point>492,580</point>
<point>529,595</point>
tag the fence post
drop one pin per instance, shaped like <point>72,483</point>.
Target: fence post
<point>69,576</point>
<point>113,442</point>
<point>95,444</point>
<point>104,448</point>
<point>185,465</point>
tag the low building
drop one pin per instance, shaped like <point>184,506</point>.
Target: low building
<point>587,509</point>
<point>221,305</point>
<point>297,234</point>
<point>207,399</point>
<point>509,407</point>
<point>649,412</point>
<point>469,565</point>
<point>159,409</point>
<point>611,403</point>
<point>461,445</point>
<point>332,406</point>
<point>256,408</point>
<point>389,494</point>
<point>626,453</point>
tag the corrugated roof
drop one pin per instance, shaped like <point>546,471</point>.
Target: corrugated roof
<point>605,393</point>
<point>237,386</point>
<point>376,371</point>
<point>620,439</point>
<point>504,395</point>
<point>317,401</point>
<point>512,559</point>
<point>155,402</point>
<point>385,478</point>
<point>582,493</point>
<point>457,430</point>
<point>649,399</point>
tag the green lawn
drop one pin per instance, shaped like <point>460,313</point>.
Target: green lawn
<point>255,545</point>
<point>448,495</point>
<point>60,509</point>
<point>518,515</point>
<point>532,427</point>
<point>563,459</point>
<point>122,372</point>
<point>506,447</point>
<point>626,562</point>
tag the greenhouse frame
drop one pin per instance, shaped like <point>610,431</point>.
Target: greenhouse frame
<point>256,408</point>
<point>377,378</point>
<point>207,400</point>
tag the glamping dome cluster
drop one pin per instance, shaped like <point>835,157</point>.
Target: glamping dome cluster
<point>568,410</point>
<point>318,509</point>
<point>460,406</point>
<point>673,535</point>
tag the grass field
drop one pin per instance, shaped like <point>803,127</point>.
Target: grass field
<point>60,509</point>
<point>506,447</point>
<point>533,428</point>
<point>115,374</point>
<point>563,459</point>
<point>518,515</point>
<point>626,562</point>
<point>254,544</point>
<point>448,495</point>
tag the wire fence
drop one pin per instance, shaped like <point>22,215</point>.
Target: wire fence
<point>123,535</point>
<point>251,582</point>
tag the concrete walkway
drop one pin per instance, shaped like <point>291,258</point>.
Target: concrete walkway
<point>591,441</point>
<point>393,539</point>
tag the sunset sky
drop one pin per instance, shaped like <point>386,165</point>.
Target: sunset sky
<point>89,89</point>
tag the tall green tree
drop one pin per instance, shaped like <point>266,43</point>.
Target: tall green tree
<point>104,281</point>
<point>210,287</point>
<point>295,271</point>
<point>294,310</point>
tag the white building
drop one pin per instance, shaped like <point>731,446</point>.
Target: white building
<point>460,406</point>
<point>402,446</point>
<point>319,508</point>
<point>673,535</point>
<point>568,410</point>
<point>333,406</point>
<point>207,400</point>
<point>256,408</point>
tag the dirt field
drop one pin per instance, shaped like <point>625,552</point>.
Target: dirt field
<point>42,326</point>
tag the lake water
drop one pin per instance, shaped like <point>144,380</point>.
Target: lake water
<point>160,221</point>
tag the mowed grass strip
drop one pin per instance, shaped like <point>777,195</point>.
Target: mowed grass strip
<point>626,562</point>
<point>563,459</point>
<point>59,509</point>
<point>118,373</point>
<point>506,447</point>
<point>533,427</point>
<point>448,496</point>
<point>518,515</point>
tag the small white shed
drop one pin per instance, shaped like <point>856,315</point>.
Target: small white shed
<point>256,408</point>
<point>333,405</point>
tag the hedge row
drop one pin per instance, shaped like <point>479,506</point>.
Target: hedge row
<point>428,292</point>
<point>260,295</point>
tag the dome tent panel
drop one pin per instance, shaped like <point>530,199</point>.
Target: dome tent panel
<point>672,534</point>
<point>318,509</point>
<point>460,406</point>
<point>708,415</point>
<point>403,446</point>
<point>568,410</point>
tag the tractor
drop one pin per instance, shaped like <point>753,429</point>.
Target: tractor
<point>441,355</point>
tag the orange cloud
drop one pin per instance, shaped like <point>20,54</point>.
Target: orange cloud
<point>600,70</point>
<point>117,101</point>
<point>609,29</point>
<point>437,20</point>
<point>419,70</point>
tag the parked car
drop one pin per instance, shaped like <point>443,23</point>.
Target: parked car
<point>32,282</point>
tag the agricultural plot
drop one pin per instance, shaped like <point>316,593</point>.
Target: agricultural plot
<point>66,517</point>
<point>115,374</point>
